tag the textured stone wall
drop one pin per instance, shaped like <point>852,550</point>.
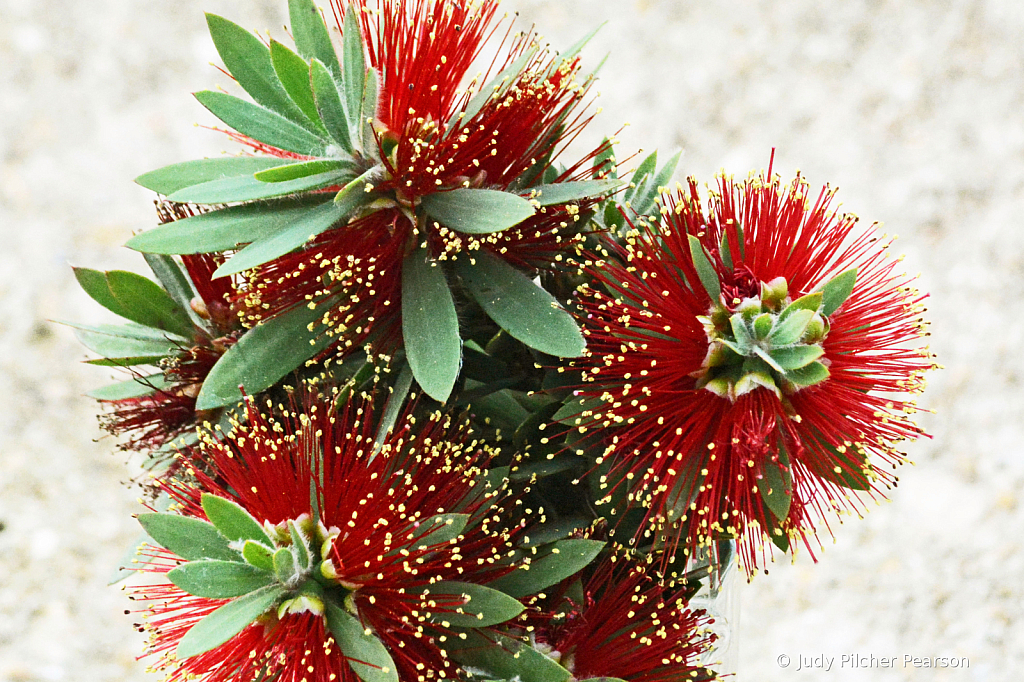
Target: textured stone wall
<point>914,108</point>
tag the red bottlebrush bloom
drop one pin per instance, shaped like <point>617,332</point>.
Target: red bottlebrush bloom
<point>368,517</point>
<point>739,402</point>
<point>434,134</point>
<point>621,623</point>
<point>169,411</point>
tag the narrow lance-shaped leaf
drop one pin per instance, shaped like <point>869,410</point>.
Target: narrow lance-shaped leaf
<point>135,298</point>
<point>132,388</point>
<point>441,529</point>
<point>312,39</point>
<point>777,487</point>
<point>305,227</point>
<point>393,406</point>
<point>365,653</point>
<point>264,354</point>
<point>481,606</point>
<point>178,285</point>
<point>643,202</point>
<point>642,174</point>
<point>228,621</point>
<point>354,65</point>
<point>293,72</point>
<point>261,124</point>
<point>219,579</point>
<point>331,106</point>
<point>705,271</point>
<point>233,522</point>
<point>368,112</point>
<point>189,538</point>
<point>127,350</point>
<point>477,211</point>
<point>837,290</point>
<point>249,61</point>
<point>505,658</point>
<point>248,188</point>
<point>223,230</point>
<point>519,306</point>
<point>565,192</point>
<point>430,325</point>
<point>565,558</point>
<point>170,179</point>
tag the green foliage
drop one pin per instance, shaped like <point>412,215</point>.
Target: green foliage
<point>430,325</point>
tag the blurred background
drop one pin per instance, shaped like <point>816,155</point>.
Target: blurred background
<point>914,108</point>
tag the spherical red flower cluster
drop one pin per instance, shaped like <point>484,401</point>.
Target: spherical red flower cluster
<point>750,363</point>
<point>377,519</point>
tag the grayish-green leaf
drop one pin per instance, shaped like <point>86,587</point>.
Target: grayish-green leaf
<point>519,306</point>
<point>178,176</point>
<point>441,529</point>
<point>812,374</point>
<point>430,325</point>
<point>248,188</point>
<point>233,522</point>
<point>837,290</point>
<point>477,211</point>
<point>790,329</point>
<point>191,539</point>
<point>481,606</point>
<point>135,298</point>
<point>566,192</point>
<point>365,653</point>
<point>705,271</point>
<point>264,354</point>
<point>561,560</point>
<point>331,105</point>
<point>132,388</point>
<point>219,579</point>
<point>393,406</point>
<point>312,39</point>
<point>222,230</point>
<point>797,356</point>
<point>259,555</point>
<point>261,124</point>
<point>505,658</point>
<point>305,227</point>
<point>303,169</point>
<point>777,486</point>
<point>354,66</point>
<point>293,72</point>
<point>227,621</point>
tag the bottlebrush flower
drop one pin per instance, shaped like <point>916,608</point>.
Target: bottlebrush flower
<point>752,364</point>
<point>328,557</point>
<point>423,163</point>
<point>620,623</point>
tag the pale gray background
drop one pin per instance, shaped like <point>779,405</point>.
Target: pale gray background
<point>912,107</point>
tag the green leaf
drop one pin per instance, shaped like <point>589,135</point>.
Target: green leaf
<point>365,653</point>
<point>797,356</point>
<point>261,124</point>
<point>330,105</point>
<point>809,302</point>
<point>851,464</point>
<point>300,545</point>
<point>258,555</point>
<point>441,529</point>
<point>368,112</point>
<point>178,176</point>
<point>312,39</point>
<point>430,325</point>
<point>132,388</point>
<point>227,621</point>
<point>604,162</point>
<point>571,414</point>
<point>135,298</point>
<point>837,290</point>
<point>302,229</point>
<point>505,658</point>
<point>520,306</point>
<point>178,285</point>
<point>481,606</point>
<point>563,559</point>
<point>284,564</point>
<point>641,176</point>
<point>264,354</point>
<point>248,188</point>
<point>644,201</point>
<point>566,192</point>
<point>191,539</point>
<point>790,329</point>
<point>812,374</point>
<point>126,351</point>
<point>249,61</point>
<point>477,211</point>
<point>354,65</point>
<point>219,579</point>
<point>577,47</point>
<point>129,563</point>
<point>222,230</point>
<point>233,522</point>
<point>705,271</point>
<point>293,72</point>
<point>304,169</point>
<point>776,487</point>
<point>393,406</point>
